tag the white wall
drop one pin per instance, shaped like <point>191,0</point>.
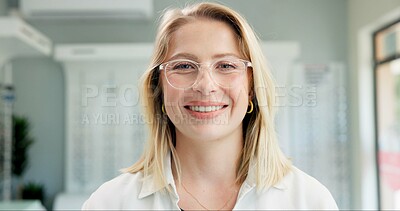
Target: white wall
<point>39,91</point>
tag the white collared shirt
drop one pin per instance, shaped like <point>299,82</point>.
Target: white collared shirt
<point>296,190</point>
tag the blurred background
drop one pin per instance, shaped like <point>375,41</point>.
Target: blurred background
<point>70,116</point>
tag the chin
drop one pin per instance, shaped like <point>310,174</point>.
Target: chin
<point>209,132</point>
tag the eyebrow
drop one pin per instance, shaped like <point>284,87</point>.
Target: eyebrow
<point>225,55</point>
<point>184,56</point>
<point>195,58</point>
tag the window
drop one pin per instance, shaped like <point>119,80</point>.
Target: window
<point>387,113</point>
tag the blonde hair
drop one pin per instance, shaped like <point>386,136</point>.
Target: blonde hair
<point>260,146</point>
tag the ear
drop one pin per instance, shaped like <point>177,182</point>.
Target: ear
<point>251,94</point>
<point>251,85</point>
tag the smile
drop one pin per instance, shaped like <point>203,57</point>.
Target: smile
<point>204,109</point>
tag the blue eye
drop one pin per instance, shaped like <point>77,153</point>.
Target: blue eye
<point>183,66</point>
<point>226,66</point>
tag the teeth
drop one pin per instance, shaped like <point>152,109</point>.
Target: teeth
<point>205,108</point>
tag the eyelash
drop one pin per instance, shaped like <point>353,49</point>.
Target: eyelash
<point>180,66</point>
<point>220,65</point>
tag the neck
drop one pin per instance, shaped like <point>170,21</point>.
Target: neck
<point>209,161</point>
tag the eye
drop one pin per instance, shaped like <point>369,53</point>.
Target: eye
<point>183,66</point>
<point>226,66</point>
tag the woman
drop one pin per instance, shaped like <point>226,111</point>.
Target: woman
<point>209,97</point>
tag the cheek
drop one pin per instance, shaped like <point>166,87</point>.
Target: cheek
<point>245,90</point>
<point>171,96</point>
<point>239,96</point>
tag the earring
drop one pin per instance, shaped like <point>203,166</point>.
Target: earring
<point>251,107</point>
<point>163,109</point>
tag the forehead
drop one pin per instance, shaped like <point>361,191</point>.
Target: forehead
<point>204,38</point>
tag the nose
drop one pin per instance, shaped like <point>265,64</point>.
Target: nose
<point>205,84</point>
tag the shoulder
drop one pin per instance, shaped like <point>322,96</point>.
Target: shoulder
<point>112,194</point>
<point>308,192</point>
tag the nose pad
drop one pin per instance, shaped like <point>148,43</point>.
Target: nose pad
<point>205,83</point>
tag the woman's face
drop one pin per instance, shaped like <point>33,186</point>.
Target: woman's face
<point>206,111</point>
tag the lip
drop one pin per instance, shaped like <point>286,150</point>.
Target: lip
<point>205,115</point>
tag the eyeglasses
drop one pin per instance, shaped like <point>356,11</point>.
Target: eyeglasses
<point>184,73</point>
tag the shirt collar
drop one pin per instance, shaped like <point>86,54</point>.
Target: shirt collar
<point>282,184</point>
<point>149,186</point>
<point>251,179</point>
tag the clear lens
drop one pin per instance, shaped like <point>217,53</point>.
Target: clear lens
<point>181,74</point>
<point>228,73</point>
<point>184,74</point>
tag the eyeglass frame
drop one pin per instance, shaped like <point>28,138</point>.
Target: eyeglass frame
<point>162,66</point>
